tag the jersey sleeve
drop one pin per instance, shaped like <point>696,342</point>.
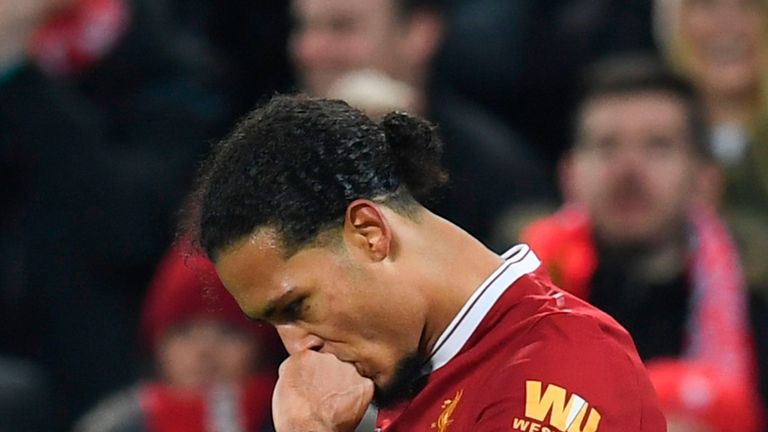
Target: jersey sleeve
<point>573,374</point>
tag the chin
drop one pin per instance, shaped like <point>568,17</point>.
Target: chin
<point>405,382</point>
<point>630,239</point>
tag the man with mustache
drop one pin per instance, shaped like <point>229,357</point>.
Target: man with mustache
<point>378,56</point>
<point>637,238</point>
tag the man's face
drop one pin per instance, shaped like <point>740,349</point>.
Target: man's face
<point>633,167</point>
<point>331,38</point>
<point>206,351</point>
<point>323,299</point>
<point>726,42</point>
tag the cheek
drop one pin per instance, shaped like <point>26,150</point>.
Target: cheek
<point>673,186</point>
<point>590,181</point>
<point>297,47</point>
<point>698,23</point>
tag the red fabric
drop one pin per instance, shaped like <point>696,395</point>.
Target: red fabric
<point>79,36</point>
<point>257,400</point>
<point>171,410</point>
<point>722,337</point>
<point>535,332</point>
<point>186,287</point>
<point>718,332</point>
<point>698,392</point>
<point>563,242</point>
<point>167,409</point>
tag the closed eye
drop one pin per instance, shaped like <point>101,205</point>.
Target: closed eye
<point>292,311</point>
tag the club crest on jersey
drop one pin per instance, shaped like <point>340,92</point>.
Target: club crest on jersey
<point>449,406</point>
<point>552,409</point>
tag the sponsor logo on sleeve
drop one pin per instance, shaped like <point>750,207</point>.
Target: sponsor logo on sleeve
<point>553,409</point>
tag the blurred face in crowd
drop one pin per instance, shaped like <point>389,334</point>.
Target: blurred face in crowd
<point>204,352</point>
<point>725,42</point>
<point>681,424</point>
<point>33,10</point>
<point>337,299</point>
<point>332,38</point>
<point>633,167</point>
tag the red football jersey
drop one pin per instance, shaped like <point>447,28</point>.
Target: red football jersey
<point>524,356</point>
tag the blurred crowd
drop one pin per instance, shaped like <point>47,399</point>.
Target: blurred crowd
<point>625,140</point>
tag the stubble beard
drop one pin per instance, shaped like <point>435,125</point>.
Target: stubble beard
<point>410,377</point>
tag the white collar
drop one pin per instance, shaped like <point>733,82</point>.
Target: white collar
<point>518,260</point>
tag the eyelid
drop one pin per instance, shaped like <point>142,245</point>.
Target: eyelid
<point>292,311</point>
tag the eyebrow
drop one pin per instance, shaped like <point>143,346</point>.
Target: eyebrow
<point>270,309</point>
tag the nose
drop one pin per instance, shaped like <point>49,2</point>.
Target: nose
<point>630,156</point>
<point>297,339</point>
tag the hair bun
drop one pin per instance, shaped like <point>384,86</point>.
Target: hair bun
<point>417,152</point>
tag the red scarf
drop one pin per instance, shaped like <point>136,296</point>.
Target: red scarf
<point>79,36</point>
<point>717,332</point>
<point>218,409</point>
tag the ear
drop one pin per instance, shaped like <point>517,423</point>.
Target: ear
<point>566,176</point>
<point>710,183</point>
<point>366,230</point>
<point>423,37</point>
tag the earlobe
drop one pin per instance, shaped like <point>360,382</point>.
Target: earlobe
<point>709,185</point>
<point>566,177</point>
<point>426,32</point>
<point>367,230</point>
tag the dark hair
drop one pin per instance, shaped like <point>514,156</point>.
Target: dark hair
<point>639,73</point>
<point>295,163</point>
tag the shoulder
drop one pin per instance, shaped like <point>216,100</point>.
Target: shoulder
<point>573,368</point>
<point>575,342</point>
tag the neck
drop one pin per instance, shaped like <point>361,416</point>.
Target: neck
<point>737,108</point>
<point>453,264</point>
<point>651,264</point>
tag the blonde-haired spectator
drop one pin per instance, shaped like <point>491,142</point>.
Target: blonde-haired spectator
<point>722,47</point>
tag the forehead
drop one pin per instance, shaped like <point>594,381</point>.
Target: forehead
<point>330,9</point>
<point>252,270</point>
<point>656,109</point>
<point>258,274</point>
<point>746,4</point>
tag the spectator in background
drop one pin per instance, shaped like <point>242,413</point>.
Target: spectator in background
<point>636,239</point>
<point>519,58</point>
<point>215,370</point>
<point>59,200</point>
<point>395,37</point>
<point>695,398</point>
<point>96,154</point>
<point>722,46</point>
<point>156,97</point>
<point>369,51</point>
